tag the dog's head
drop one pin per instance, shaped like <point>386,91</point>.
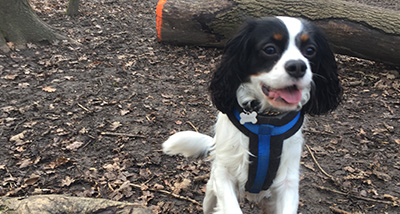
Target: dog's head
<point>279,64</point>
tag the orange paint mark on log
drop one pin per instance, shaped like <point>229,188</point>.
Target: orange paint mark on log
<point>160,6</point>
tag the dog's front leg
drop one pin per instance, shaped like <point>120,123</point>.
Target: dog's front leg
<point>224,187</point>
<point>287,197</point>
<point>285,188</point>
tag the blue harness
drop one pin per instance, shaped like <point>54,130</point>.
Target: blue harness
<point>266,141</point>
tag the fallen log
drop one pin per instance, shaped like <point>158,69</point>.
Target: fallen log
<point>352,28</point>
<point>41,204</point>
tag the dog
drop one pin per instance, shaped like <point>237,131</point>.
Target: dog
<point>274,72</point>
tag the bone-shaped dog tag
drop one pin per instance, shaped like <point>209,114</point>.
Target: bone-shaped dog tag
<point>246,117</point>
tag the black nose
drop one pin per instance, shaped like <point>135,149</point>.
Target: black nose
<point>296,68</point>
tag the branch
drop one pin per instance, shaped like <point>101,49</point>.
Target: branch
<point>168,193</point>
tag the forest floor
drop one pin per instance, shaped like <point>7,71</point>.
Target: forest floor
<point>89,120</point>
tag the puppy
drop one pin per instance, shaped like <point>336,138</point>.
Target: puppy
<point>273,72</point>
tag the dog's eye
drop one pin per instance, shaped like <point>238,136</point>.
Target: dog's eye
<point>310,51</point>
<point>270,50</point>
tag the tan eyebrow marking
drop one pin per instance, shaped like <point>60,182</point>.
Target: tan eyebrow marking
<point>278,36</point>
<point>304,37</point>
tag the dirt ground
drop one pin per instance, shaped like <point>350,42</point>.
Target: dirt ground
<point>89,120</point>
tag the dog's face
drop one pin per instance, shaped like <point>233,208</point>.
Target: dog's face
<point>279,64</point>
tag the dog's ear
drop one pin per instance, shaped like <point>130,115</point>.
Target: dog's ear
<point>326,91</point>
<point>231,71</point>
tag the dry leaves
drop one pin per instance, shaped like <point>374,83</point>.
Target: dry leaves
<point>74,146</point>
<point>19,138</point>
<point>49,89</point>
<point>183,185</point>
<point>58,162</point>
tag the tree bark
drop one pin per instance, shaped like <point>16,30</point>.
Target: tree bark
<point>19,24</point>
<point>352,28</point>
<point>40,204</point>
<point>73,8</point>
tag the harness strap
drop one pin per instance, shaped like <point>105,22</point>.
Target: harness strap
<point>266,141</point>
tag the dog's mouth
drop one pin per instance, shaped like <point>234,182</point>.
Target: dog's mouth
<point>284,97</point>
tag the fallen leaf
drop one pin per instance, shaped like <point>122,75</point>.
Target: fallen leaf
<point>146,197</point>
<point>83,131</point>
<point>391,76</point>
<point>124,185</point>
<point>58,162</point>
<point>362,132</point>
<point>111,167</point>
<point>24,163</point>
<point>32,179</point>
<point>309,166</point>
<point>158,186</point>
<point>373,191</point>
<point>11,45</point>
<point>168,96</point>
<point>181,186</point>
<point>124,112</point>
<point>382,176</point>
<point>49,89</point>
<point>390,197</point>
<point>115,125</point>
<point>74,146</point>
<point>67,181</point>
<point>18,138</point>
<point>10,76</point>
<point>363,193</point>
<point>129,64</point>
<point>145,173</point>
<point>20,149</point>
<point>349,169</point>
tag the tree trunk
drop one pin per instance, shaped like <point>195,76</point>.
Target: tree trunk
<point>40,204</point>
<point>73,8</point>
<point>352,28</point>
<point>19,24</point>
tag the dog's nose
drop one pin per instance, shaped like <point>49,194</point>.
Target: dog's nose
<point>296,68</point>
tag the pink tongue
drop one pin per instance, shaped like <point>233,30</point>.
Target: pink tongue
<point>291,96</point>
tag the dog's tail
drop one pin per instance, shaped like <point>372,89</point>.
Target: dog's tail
<point>188,144</point>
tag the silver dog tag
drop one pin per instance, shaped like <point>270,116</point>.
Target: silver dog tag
<point>246,117</point>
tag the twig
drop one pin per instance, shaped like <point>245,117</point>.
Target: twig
<point>194,127</point>
<point>122,134</point>
<point>354,196</point>
<point>331,190</point>
<point>84,146</point>
<point>318,132</point>
<point>169,193</point>
<point>201,177</point>
<point>338,211</point>
<point>11,176</point>
<point>337,183</point>
<point>319,166</point>
<point>148,180</point>
<point>84,108</point>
